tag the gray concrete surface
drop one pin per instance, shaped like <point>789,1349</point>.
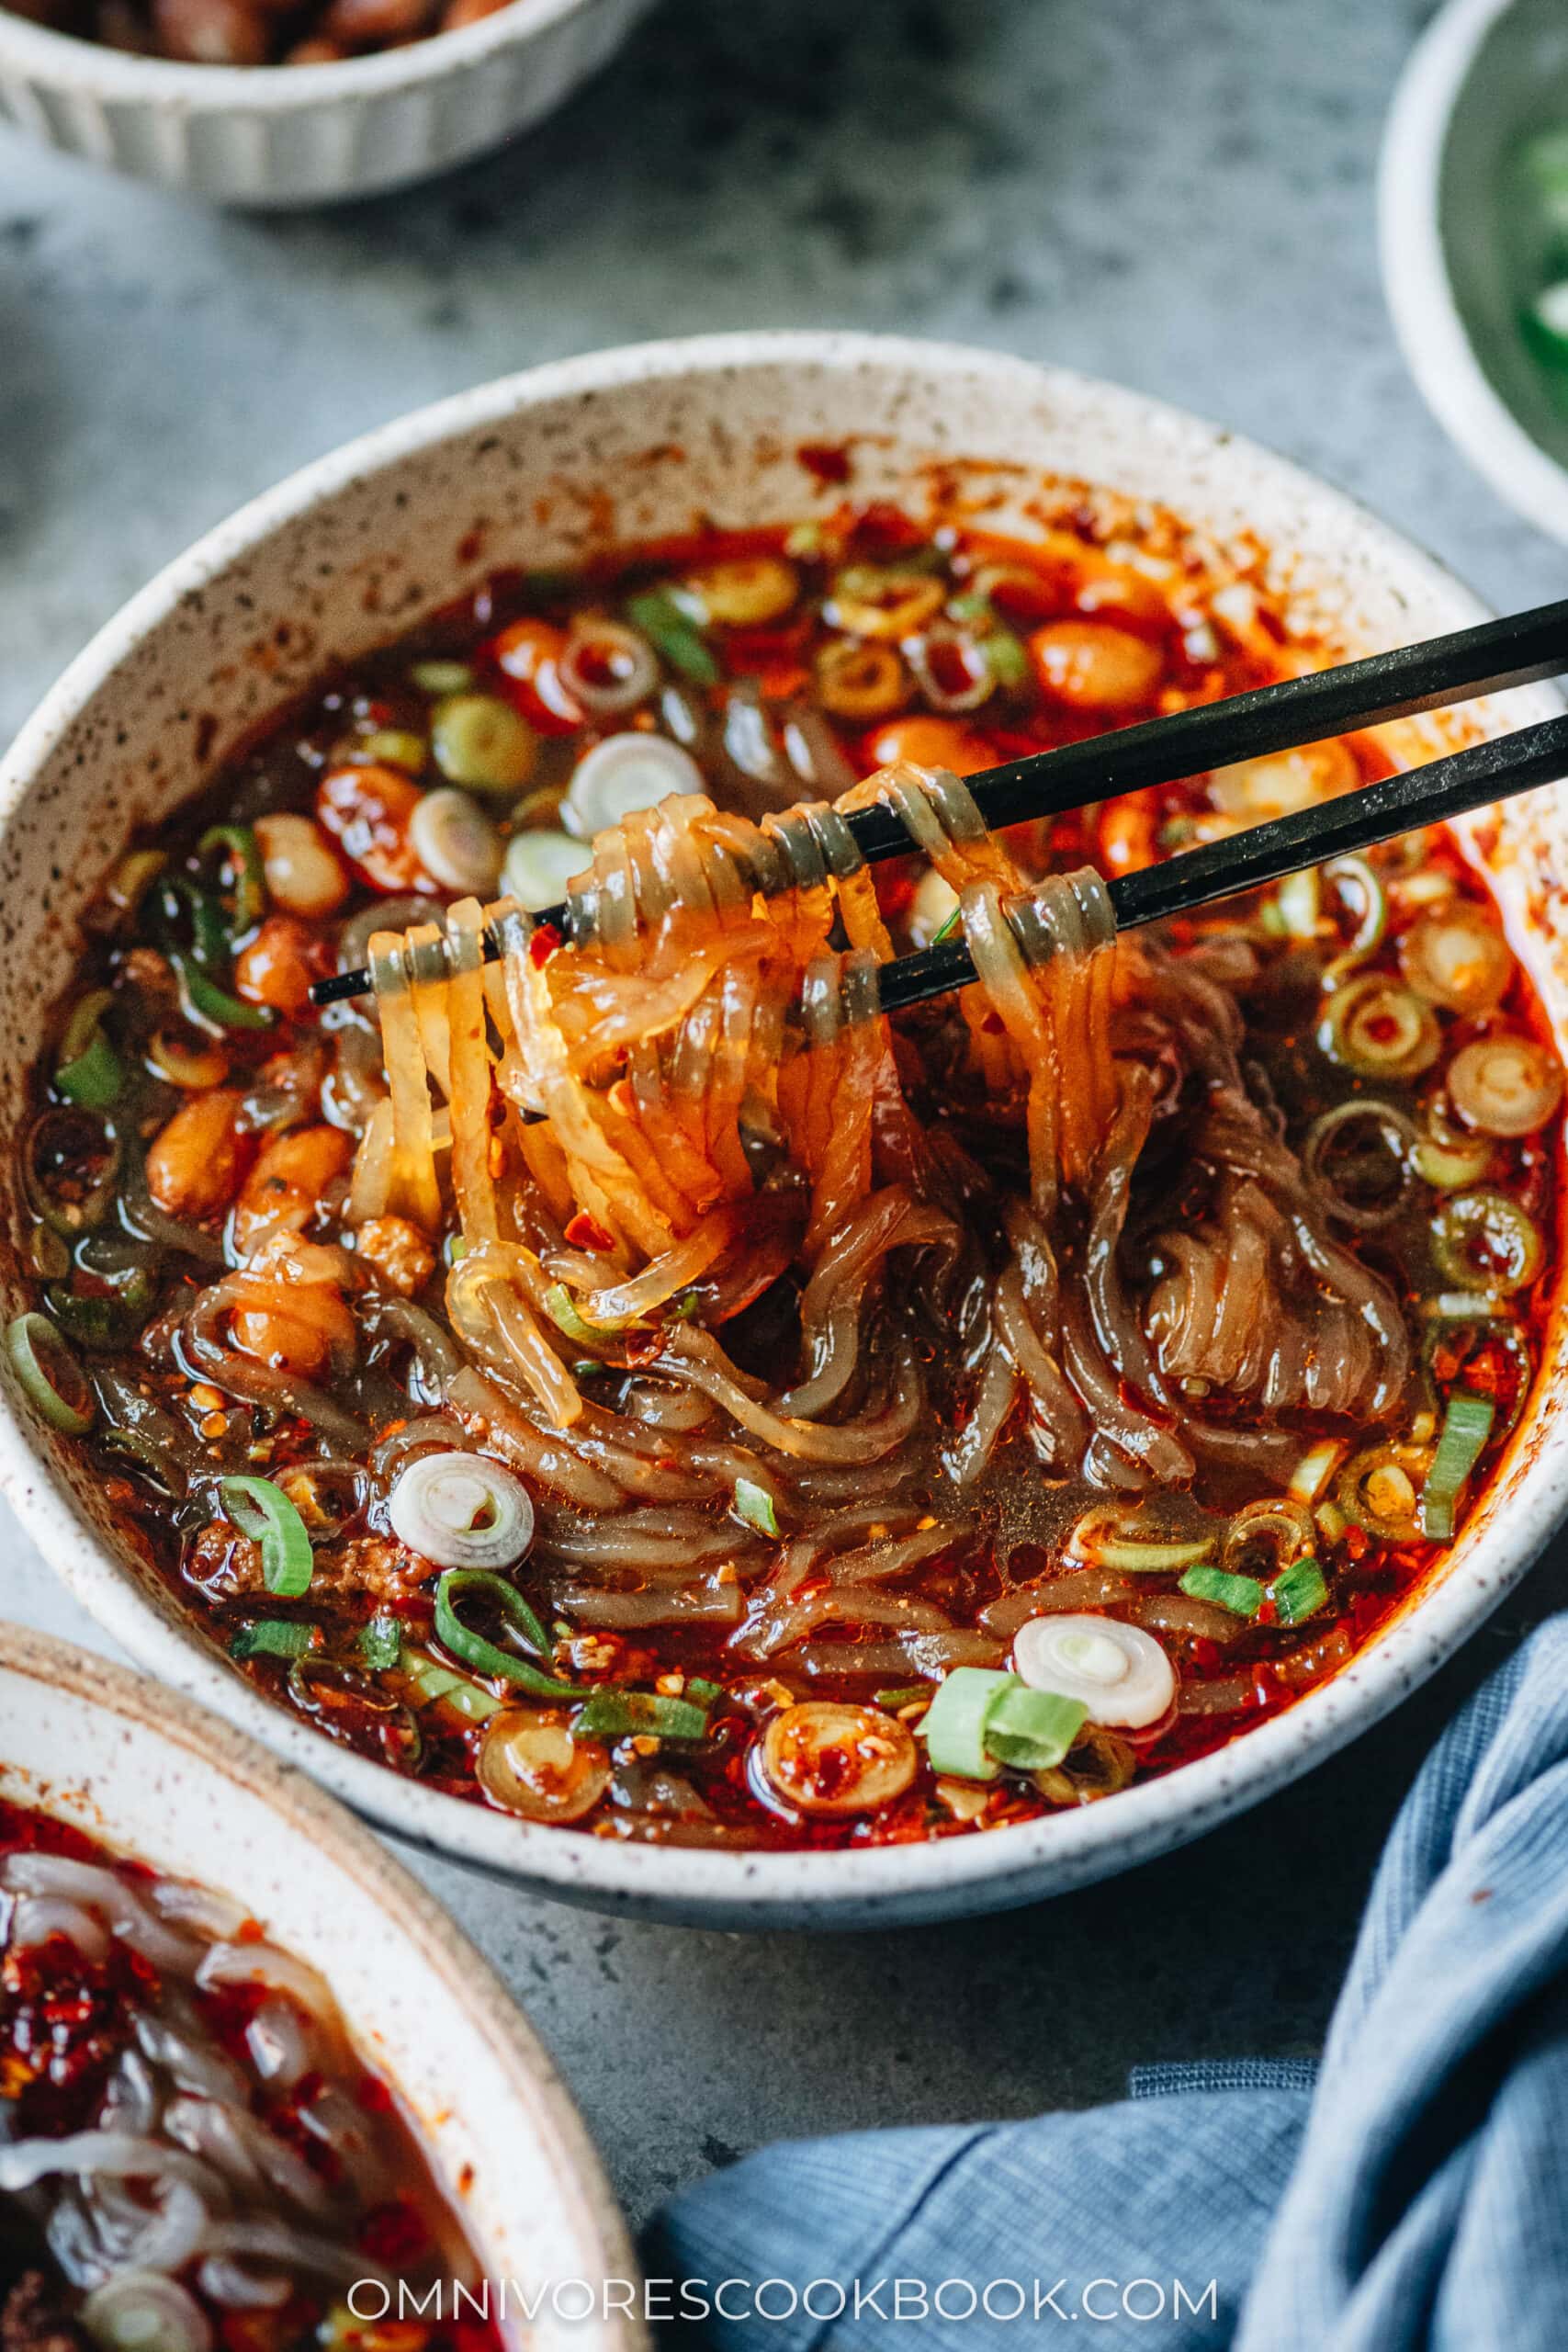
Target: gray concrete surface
<point>1174,192</point>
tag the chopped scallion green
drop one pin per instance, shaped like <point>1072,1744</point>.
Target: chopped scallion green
<point>1298,1592</point>
<point>49,1374</point>
<point>381,1643</point>
<point>565,1313</point>
<point>754,1504</point>
<point>1243,1596</point>
<point>1032,1730</point>
<point>243,858</point>
<point>487,1657</point>
<point>1467,1425</point>
<point>275,1638</point>
<point>953,1726</point>
<point>432,1681</point>
<point>263,1512</point>
<point>211,1007</point>
<point>89,1070</point>
<point>672,633</point>
<point>617,1714</point>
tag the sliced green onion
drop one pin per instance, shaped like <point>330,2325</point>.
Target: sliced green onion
<point>1454,957</point>
<point>486,1657</point>
<point>565,1313</point>
<point>1284,1527</point>
<point>381,1643</point>
<point>1467,1425</point>
<point>909,1695</point>
<point>263,1512</point>
<point>617,1714</point>
<point>440,678</point>
<point>108,1320</point>
<point>953,1725</point>
<point>1097,1538</point>
<point>1463,1337</point>
<point>1006,657</point>
<point>1316,1468</point>
<point>703,1691</point>
<point>190,920</point>
<point>672,634</point>
<point>481,741</point>
<point>275,1638</point>
<point>46,1252</point>
<point>1463,1306</point>
<point>1379,1029</point>
<point>754,1504</point>
<point>1359,1152</point>
<point>244,858</point>
<point>946,928</point>
<point>1300,901</point>
<point>89,1070</point>
<point>1331,1522</point>
<point>1298,1592</point>
<point>1377,1491</point>
<point>133,878</point>
<point>1032,1730</point>
<point>49,1374</point>
<point>1243,1596</point>
<point>1372,921</point>
<point>211,1007</point>
<point>397,747</point>
<point>1484,1241</point>
<point>1505,1084</point>
<point>1448,1167</point>
<point>433,1681</point>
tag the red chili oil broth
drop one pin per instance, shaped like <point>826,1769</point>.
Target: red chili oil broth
<point>1267,1667</point>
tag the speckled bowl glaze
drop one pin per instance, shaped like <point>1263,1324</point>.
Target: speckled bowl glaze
<point>543,470</point>
<point>161,1782</point>
<point>288,135</point>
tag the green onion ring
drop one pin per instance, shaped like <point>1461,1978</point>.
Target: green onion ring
<point>484,1656</point>
<point>33,1344</point>
<point>1489,1222</point>
<point>263,1512</point>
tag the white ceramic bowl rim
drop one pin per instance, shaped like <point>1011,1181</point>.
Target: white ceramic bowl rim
<point>1416,282</point>
<point>984,1871</point>
<point>116,75</point>
<point>316,1822</point>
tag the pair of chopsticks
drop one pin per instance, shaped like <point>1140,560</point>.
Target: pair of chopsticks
<point>1520,650</point>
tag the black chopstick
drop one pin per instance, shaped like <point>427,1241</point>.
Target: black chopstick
<point>1473,778</point>
<point>1519,649</point>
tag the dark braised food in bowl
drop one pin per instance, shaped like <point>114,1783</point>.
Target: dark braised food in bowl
<point>635,1385</point>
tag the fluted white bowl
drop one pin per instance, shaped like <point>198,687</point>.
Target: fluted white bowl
<point>551,468</point>
<point>280,135</point>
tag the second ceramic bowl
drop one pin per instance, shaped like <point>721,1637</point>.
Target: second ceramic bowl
<point>548,469</point>
<point>159,1782</point>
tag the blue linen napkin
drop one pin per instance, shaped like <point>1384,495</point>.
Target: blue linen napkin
<point>1413,2198</point>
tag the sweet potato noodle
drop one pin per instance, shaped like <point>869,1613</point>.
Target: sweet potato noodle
<point>632,1383</point>
<point>191,2151</point>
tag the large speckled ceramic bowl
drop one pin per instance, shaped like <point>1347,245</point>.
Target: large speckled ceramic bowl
<point>544,469</point>
<point>161,1782</point>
